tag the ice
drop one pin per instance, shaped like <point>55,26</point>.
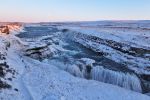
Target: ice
<point>88,61</point>
<point>127,53</point>
<point>128,81</point>
<point>35,80</point>
<point>74,70</point>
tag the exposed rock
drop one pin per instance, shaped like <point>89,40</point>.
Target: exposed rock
<point>4,29</point>
<point>122,47</point>
<point>145,77</point>
<point>7,28</point>
<point>4,85</point>
<point>40,52</point>
<point>6,72</point>
<point>64,30</point>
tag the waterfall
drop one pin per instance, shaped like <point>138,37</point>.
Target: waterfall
<point>74,70</point>
<point>126,80</point>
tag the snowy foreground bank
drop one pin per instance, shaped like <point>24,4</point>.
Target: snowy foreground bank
<point>24,78</point>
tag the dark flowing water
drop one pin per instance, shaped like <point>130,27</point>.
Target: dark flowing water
<point>37,31</point>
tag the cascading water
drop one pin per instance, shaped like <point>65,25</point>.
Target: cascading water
<point>83,67</point>
<point>128,81</point>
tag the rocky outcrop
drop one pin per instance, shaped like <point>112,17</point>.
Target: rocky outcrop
<point>41,48</point>
<point>8,27</point>
<point>123,53</point>
<point>40,52</point>
<point>4,66</point>
<point>122,47</point>
<point>4,29</point>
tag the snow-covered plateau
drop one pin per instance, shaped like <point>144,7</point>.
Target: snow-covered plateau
<point>106,60</point>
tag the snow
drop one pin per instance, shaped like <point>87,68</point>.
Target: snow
<point>37,80</point>
<point>88,61</point>
<point>59,84</point>
<point>124,38</point>
<point>122,32</point>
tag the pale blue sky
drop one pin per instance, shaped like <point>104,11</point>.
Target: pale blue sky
<point>73,10</point>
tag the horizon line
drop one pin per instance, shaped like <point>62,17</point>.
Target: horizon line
<point>74,21</point>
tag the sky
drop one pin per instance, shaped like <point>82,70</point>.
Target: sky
<point>73,10</point>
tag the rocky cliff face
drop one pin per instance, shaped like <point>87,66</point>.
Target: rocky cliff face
<point>6,28</point>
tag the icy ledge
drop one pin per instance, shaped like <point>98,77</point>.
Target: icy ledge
<point>117,78</point>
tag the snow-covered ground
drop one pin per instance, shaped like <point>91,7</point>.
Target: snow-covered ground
<point>127,43</point>
<point>31,79</point>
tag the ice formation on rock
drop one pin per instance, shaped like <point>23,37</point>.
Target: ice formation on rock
<point>128,81</point>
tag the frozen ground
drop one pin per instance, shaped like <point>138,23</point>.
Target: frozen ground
<point>126,42</point>
<point>41,66</point>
